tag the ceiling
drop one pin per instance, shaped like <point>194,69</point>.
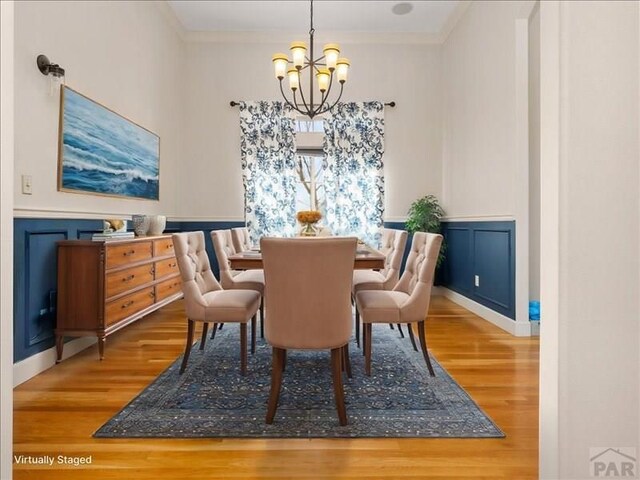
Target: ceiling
<point>428,17</point>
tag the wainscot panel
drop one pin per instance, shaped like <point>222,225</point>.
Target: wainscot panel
<point>36,271</point>
<point>485,250</point>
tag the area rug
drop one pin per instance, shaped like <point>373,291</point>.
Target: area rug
<point>212,400</point>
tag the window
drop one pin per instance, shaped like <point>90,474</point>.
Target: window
<point>310,164</point>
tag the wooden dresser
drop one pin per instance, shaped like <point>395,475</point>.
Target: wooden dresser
<point>106,285</point>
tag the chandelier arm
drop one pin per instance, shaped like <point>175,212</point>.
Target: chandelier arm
<point>287,100</point>
<point>326,97</point>
<point>304,102</point>
<point>337,99</point>
<point>318,110</point>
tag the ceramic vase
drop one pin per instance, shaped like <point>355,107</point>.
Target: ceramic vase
<point>157,224</point>
<point>140,224</point>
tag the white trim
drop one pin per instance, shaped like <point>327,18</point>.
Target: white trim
<point>172,19</point>
<point>454,19</point>
<point>551,46</point>
<point>350,38</point>
<point>518,329</point>
<point>395,219</point>
<point>38,363</point>
<point>29,212</point>
<point>479,218</point>
<point>7,75</point>
<point>206,219</point>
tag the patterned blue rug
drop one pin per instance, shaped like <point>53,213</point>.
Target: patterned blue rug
<point>211,399</point>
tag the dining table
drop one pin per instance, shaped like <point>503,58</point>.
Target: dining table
<point>367,257</point>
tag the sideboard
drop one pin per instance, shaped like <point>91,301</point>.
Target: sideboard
<point>106,285</point>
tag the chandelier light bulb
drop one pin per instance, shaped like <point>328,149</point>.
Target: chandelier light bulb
<point>323,77</point>
<point>280,62</point>
<point>342,69</point>
<point>294,79</point>
<point>298,52</point>
<point>331,52</point>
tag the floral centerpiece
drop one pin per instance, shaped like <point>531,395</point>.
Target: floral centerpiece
<point>308,219</point>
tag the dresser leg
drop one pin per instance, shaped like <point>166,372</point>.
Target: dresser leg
<point>59,347</point>
<point>101,346</point>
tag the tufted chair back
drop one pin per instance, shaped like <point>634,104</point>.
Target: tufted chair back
<point>417,279</point>
<point>223,246</point>
<point>195,272</point>
<point>392,245</point>
<point>241,239</point>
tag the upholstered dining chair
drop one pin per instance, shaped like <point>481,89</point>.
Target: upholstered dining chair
<point>230,279</point>
<point>206,301</point>
<point>308,282</point>
<point>392,246</point>
<point>241,239</point>
<point>409,300</point>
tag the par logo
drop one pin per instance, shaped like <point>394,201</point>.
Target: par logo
<point>610,462</point>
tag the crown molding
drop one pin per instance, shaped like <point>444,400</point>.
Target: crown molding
<point>384,38</point>
<point>454,19</point>
<point>171,18</point>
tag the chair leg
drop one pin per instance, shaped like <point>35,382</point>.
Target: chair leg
<point>357,327</point>
<point>277,367</point>
<point>400,330</point>
<point>284,360</point>
<point>364,338</point>
<point>423,344</point>
<point>214,330</point>
<point>203,340</point>
<point>243,349</point>
<point>262,317</point>
<point>367,349</point>
<point>391,326</point>
<point>347,360</point>
<point>221,325</point>
<point>187,348</point>
<point>336,355</point>
<point>253,334</point>
<point>413,340</point>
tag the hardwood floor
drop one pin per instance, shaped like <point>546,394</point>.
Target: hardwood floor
<point>57,412</point>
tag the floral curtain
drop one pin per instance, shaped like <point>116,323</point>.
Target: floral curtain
<point>267,148</point>
<point>354,179</point>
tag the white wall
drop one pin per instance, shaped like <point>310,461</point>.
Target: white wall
<point>590,154</point>
<point>534,156</point>
<point>217,72</point>
<point>124,55</point>
<point>479,148</point>
<point>6,237</point>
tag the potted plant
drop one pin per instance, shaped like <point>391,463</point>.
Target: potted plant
<point>424,216</point>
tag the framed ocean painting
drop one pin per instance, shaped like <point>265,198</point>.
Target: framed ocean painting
<point>103,153</point>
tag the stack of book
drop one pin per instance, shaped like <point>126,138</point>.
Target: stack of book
<point>112,235</point>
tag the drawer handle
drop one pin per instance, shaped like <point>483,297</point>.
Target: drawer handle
<point>151,294</point>
<point>173,265</point>
<point>129,278</point>
<point>128,304</point>
<point>152,271</point>
<point>169,246</point>
<point>130,252</point>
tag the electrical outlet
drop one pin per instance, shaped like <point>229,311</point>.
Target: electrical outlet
<point>27,188</point>
<point>44,311</point>
<point>476,280</point>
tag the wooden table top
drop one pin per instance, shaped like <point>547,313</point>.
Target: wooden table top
<point>366,258</point>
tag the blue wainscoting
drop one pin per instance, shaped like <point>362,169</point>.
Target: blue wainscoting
<point>36,273</point>
<point>486,249</point>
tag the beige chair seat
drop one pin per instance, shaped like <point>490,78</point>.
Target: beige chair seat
<point>250,280</point>
<point>231,305</point>
<point>380,306</point>
<point>367,280</point>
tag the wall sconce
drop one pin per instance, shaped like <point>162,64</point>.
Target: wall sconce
<point>53,70</point>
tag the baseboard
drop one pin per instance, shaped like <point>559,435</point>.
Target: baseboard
<point>38,363</point>
<point>518,329</point>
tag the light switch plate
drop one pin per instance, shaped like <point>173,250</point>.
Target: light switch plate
<point>476,280</point>
<point>27,188</point>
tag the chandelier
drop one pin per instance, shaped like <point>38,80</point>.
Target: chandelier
<point>322,68</point>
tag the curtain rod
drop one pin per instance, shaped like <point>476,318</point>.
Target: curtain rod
<point>233,103</point>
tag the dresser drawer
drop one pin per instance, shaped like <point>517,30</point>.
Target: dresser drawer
<point>166,267</point>
<point>123,280</point>
<point>128,253</point>
<point>127,306</point>
<point>167,288</point>
<point>162,247</point>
